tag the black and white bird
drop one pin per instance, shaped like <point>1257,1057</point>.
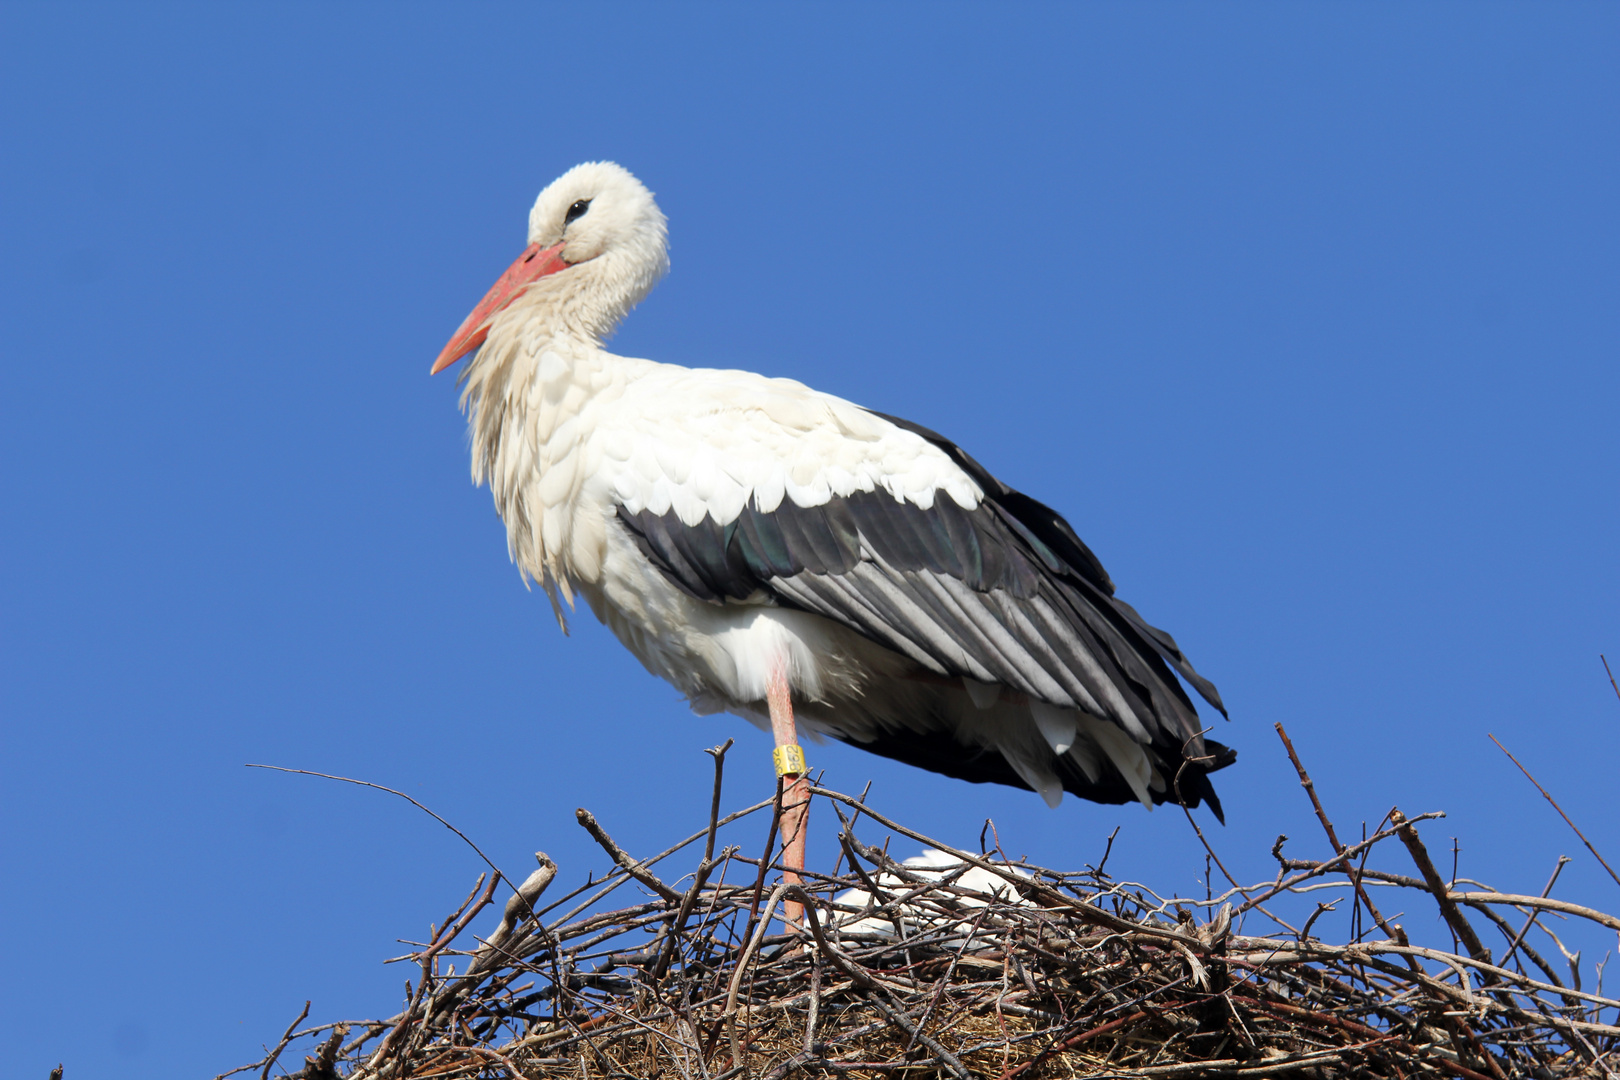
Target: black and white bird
<point>780,553</point>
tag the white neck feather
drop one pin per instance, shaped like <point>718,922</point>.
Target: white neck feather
<point>543,360</point>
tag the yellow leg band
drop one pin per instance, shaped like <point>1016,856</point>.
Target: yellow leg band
<point>789,761</point>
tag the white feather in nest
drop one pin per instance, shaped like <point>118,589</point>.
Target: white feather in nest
<point>974,887</point>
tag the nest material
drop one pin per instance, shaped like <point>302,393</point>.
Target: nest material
<point>984,968</point>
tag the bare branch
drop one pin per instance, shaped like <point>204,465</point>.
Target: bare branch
<point>1558,808</point>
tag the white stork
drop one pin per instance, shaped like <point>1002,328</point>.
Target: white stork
<point>783,554</point>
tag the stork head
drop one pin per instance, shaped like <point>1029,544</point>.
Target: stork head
<point>597,246</point>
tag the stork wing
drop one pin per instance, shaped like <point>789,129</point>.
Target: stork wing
<point>1064,554</point>
<point>1003,593</point>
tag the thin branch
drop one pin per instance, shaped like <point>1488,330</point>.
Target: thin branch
<point>379,787</point>
<point>1558,808</point>
<point>1338,849</point>
<point>1545,903</point>
<point>1436,884</point>
<point>626,863</point>
<point>719,755</point>
<point>1563,860</point>
<point>270,1062</point>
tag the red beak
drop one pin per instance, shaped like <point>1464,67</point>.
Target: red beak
<point>535,263</point>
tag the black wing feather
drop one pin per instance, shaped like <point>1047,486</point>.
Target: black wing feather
<point>1006,590</point>
<point>1046,529</point>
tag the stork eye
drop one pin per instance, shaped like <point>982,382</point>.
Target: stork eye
<point>576,211</point>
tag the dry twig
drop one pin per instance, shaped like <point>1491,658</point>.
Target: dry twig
<point>1560,809</point>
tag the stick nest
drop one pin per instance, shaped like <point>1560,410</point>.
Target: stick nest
<point>974,966</point>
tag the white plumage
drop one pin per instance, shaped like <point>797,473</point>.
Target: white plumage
<point>723,524</point>
<point>972,887</point>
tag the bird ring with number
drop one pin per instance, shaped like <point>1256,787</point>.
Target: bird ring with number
<point>789,761</point>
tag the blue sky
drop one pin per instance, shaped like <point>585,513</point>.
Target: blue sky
<point>1305,315</point>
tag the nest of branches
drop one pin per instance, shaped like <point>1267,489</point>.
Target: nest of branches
<point>973,965</point>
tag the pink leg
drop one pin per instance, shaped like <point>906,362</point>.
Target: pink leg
<point>796,786</point>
